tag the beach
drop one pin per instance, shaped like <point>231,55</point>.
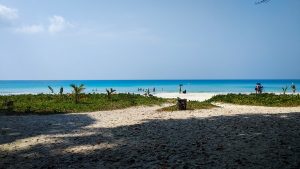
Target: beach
<point>149,84</point>
<point>229,136</point>
<point>188,96</point>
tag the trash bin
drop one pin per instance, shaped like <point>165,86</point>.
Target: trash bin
<point>181,103</point>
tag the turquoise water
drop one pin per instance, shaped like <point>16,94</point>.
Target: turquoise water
<point>192,86</point>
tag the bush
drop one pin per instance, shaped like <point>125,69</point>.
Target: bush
<point>49,103</point>
<point>266,99</point>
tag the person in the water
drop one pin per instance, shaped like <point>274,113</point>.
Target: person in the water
<point>293,87</point>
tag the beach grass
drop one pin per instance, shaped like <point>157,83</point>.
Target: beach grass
<point>266,99</point>
<point>191,105</point>
<point>52,104</point>
<point>49,103</point>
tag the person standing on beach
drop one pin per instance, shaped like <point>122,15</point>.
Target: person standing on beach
<point>258,88</point>
<point>180,88</point>
<point>293,87</point>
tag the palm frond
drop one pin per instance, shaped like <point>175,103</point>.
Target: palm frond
<point>51,89</point>
<point>73,86</point>
<point>76,91</point>
<point>81,86</point>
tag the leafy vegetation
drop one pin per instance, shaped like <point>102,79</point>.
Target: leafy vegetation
<point>77,91</point>
<point>110,92</point>
<point>49,103</point>
<point>191,105</point>
<point>64,103</point>
<point>284,89</point>
<point>266,99</point>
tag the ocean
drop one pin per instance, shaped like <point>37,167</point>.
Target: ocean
<point>99,86</point>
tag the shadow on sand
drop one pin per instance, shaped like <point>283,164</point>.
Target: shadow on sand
<point>241,141</point>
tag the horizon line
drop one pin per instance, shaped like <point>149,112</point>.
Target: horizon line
<point>137,79</point>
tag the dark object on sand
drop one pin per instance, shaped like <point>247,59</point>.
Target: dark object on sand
<point>181,103</point>
<point>184,92</point>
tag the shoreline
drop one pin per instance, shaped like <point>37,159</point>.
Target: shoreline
<point>192,96</point>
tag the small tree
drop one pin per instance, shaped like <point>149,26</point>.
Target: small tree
<point>284,89</point>
<point>110,92</point>
<point>51,89</point>
<point>76,91</point>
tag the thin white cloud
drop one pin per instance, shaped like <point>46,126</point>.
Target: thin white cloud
<point>30,29</point>
<point>7,13</point>
<point>58,24</point>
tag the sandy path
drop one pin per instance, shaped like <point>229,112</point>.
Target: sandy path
<point>230,136</point>
<point>188,96</point>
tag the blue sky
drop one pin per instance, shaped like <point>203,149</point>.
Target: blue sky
<point>149,39</point>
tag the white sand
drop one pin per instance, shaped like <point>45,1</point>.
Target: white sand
<point>229,136</point>
<point>188,96</point>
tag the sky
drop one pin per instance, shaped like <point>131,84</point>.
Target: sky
<point>149,39</point>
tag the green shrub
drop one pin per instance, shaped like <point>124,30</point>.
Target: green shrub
<point>266,99</point>
<point>49,103</point>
